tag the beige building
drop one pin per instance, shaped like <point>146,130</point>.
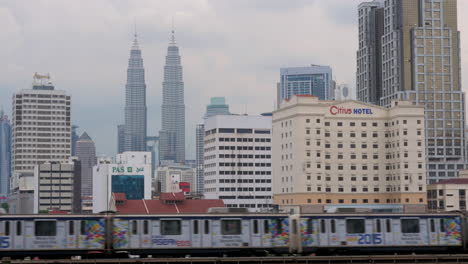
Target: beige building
<point>448,195</point>
<point>176,178</point>
<point>348,154</point>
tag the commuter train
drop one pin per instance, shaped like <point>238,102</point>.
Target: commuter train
<point>229,233</point>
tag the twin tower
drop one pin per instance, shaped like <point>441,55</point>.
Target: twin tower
<point>132,135</point>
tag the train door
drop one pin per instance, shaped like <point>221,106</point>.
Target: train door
<point>323,233</point>
<point>18,237</point>
<point>206,233</point>
<point>145,233</point>
<point>255,233</point>
<point>433,231</point>
<point>295,241</point>
<point>266,229</point>
<point>196,233</point>
<point>334,235</point>
<point>388,239</point>
<point>71,234</point>
<point>378,232</point>
<point>134,237</point>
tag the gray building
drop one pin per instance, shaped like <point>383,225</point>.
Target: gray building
<point>420,62</point>
<point>172,134</point>
<point>134,130</point>
<point>120,138</point>
<point>74,139</point>
<point>5,154</point>
<point>313,80</point>
<point>86,153</point>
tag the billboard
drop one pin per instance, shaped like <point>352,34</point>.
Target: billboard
<point>184,186</point>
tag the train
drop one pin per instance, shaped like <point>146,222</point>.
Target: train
<point>231,233</point>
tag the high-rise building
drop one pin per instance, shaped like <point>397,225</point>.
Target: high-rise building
<point>134,129</point>
<point>238,161</point>
<point>420,61</point>
<point>86,153</point>
<point>172,134</point>
<point>41,132</point>
<point>312,80</point>
<point>341,154</point>
<point>176,178</point>
<point>5,154</point>
<point>120,138</point>
<point>217,106</point>
<point>74,139</point>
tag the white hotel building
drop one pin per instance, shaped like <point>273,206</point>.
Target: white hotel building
<point>237,161</point>
<point>329,154</point>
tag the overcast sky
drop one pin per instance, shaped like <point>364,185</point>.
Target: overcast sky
<point>231,48</point>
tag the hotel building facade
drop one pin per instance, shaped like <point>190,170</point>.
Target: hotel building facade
<point>345,154</point>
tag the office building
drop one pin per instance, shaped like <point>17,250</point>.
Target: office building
<point>120,138</point>
<point>237,161</point>
<point>41,132</point>
<point>5,154</point>
<point>341,154</point>
<point>217,106</point>
<point>312,80</point>
<point>57,187</point>
<point>134,129</point>
<point>86,153</point>
<point>420,62</point>
<point>129,174</point>
<point>74,139</point>
<point>176,178</point>
<point>172,134</point>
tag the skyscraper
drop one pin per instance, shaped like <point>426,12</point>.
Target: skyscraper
<point>172,134</point>
<point>312,80</point>
<point>74,139</point>
<point>86,153</point>
<point>5,154</point>
<point>41,132</point>
<point>134,136</point>
<point>217,106</point>
<point>420,61</point>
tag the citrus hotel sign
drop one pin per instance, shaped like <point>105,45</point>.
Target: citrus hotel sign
<point>335,110</point>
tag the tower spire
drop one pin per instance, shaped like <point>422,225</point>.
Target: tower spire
<point>135,39</point>
<point>173,42</point>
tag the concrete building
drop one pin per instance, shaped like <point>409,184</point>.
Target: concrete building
<point>448,195</point>
<point>172,134</point>
<point>340,154</point>
<point>134,129</point>
<point>176,178</point>
<point>420,62</point>
<point>41,132</point>
<point>86,153</point>
<point>74,139</point>
<point>57,187</point>
<point>5,154</point>
<point>237,161</point>
<point>312,80</point>
<point>129,174</point>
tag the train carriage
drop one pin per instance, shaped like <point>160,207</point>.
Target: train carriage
<point>51,234</point>
<point>382,232</point>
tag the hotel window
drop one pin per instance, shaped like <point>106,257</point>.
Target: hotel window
<point>374,124</point>
<point>340,134</point>
<point>307,120</point>
<point>376,189</point>
<point>352,145</point>
<point>308,131</point>
<point>352,134</point>
<point>375,134</point>
<point>353,156</point>
<point>363,134</point>
<point>363,124</point>
<point>340,156</point>
<point>327,123</point>
<point>318,121</point>
<point>340,124</point>
<point>353,178</point>
<point>352,124</point>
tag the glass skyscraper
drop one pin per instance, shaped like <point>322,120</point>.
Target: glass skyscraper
<point>172,134</point>
<point>5,154</point>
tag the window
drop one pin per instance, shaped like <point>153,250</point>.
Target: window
<point>195,226</point>
<point>378,227</point>
<point>231,227</point>
<point>355,226</point>
<point>322,226</point>
<point>255,226</point>
<point>310,226</point>
<point>146,227</point>
<point>18,228</point>
<point>207,226</point>
<point>388,226</point>
<point>171,227</point>
<point>432,225</point>
<point>266,227</point>
<point>442,225</point>
<point>134,227</point>
<point>410,225</point>
<point>71,228</point>
<point>7,228</point>
<point>279,226</point>
<point>83,227</point>
<point>333,226</point>
<point>45,228</point>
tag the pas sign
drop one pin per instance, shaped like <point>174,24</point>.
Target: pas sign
<point>334,110</point>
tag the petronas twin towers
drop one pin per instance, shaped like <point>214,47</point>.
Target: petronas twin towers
<point>132,135</point>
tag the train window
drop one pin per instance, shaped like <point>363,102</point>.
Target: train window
<point>355,226</point>
<point>410,225</point>
<point>442,225</point>
<point>333,226</point>
<point>388,226</point>
<point>134,227</point>
<point>432,225</point>
<point>322,226</point>
<point>7,228</point>
<point>310,226</point>
<point>45,228</point>
<point>279,226</point>
<point>145,227</point>
<point>378,226</point>
<point>207,226</point>
<point>171,227</point>
<point>266,227</point>
<point>83,227</point>
<point>231,227</point>
<point>18,228</point>
<point>255,226</point>
<point>195,226</point>
<point>71,228</point>
<point>294,226</point>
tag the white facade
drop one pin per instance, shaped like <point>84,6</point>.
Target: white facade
<point>331,153</point>
<point>448,195</point>
<point>171,176</point>
<point>237,162</point>
<point>134,166</point>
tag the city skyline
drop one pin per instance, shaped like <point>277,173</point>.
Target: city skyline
<point>218,51</point>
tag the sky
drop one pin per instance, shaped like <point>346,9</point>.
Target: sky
<point>230,48</point>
